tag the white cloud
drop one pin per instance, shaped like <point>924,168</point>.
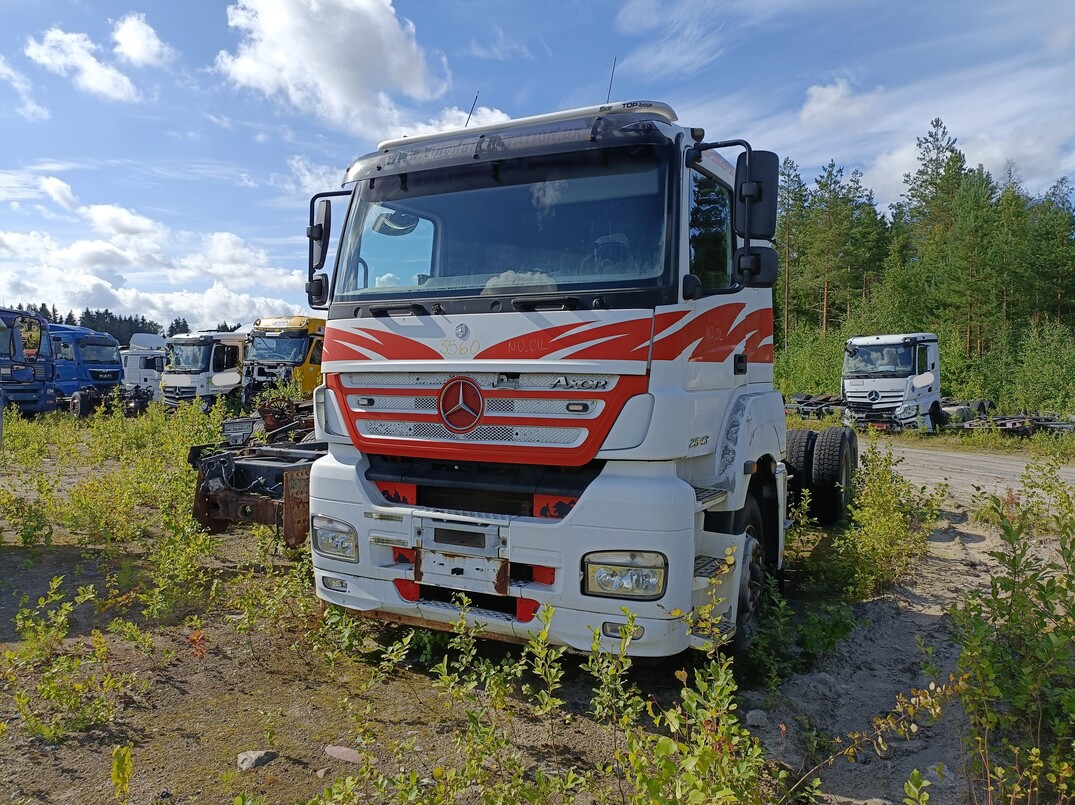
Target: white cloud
<point>25,246</point>
<point>451,118</point>
<point>29,108</point>
<point>63,53</point>
<point>91,256</point>
<point>204,309</point>
<point>339,60</point>
<point>500,49</point>
<point>138,44</point>
<point>227,258</point>
<point>59,191</point>
<point>109,220</point>
<point>835,106</point>
<point>680,38</point>
<point>307,178</point>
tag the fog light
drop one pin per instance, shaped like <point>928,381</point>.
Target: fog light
<point>615,630</point>
<point>339,585</point>
<point>624,574</point>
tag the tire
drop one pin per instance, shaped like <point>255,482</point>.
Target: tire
<point>835,456</point>
<point>752,578</point>
<point>79,405</point>
<point>800,462</point>
<point>937,417</point>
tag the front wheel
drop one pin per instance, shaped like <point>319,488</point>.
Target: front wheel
<point>749,521</point>
<point>79,405</point>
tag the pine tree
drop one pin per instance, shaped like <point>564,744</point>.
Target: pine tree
<point>791,221</point>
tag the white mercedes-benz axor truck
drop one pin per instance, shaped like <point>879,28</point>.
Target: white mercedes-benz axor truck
<point>548,381</point>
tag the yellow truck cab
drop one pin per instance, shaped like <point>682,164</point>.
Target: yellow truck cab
<point>282,349</point>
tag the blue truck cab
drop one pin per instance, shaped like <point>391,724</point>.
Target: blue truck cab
<point>88,367</point>
<point>27,368</point>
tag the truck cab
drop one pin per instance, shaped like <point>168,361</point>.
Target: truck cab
<point>283,349</point>
<point>143,363</point>
<point>548,372</point>
<point>88,367</point>
<point>27,367</point>
<point>892,382</point>
<point>202,366</point>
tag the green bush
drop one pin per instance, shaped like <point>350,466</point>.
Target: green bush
<point>1017,647</point>
<point>891,521</point>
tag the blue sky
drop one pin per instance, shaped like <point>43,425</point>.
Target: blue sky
<point>158,156</point>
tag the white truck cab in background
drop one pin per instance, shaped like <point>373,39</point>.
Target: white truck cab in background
<point>892,382</point>
<point>202,366</point>
<point>143,362</point>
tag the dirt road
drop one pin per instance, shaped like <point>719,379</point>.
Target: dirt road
<point>882,658</point>
<point>965,472</point>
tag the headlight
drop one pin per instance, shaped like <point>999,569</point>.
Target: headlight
<point>334,538</point>
<point>907,410</point>
<point>624,574</point>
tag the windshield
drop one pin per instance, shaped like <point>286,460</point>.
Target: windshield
<point>98,353</point>
<point>591,220</point>
<point>879,360</point>
<point>286,348</point>
<point>33,344</point>
<point>187,357</point>
<point>7,340</point>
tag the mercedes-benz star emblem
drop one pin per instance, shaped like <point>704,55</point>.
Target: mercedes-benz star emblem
<point>874,395</point>
<point>461,331</point>
<point>460,404</point>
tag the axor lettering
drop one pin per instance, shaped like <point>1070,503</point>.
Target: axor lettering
<point>564,382</point>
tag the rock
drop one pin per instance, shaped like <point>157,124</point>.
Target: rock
<point>757,718</point>
<point>344,753</point>
<point>321,772</point>
<point>254,758</point>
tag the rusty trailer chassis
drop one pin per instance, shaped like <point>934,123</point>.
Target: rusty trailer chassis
<point>258,479</point>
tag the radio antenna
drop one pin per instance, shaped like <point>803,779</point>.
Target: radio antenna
<point>471,112</point>
<point>609,97</point>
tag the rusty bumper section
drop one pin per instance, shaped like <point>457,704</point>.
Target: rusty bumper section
<point>286,505</point>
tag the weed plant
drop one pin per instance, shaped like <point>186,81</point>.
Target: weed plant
<point>891,521</point>
<point>1017,648</point>
<point>60,688</point>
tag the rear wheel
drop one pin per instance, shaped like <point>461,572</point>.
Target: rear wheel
<point>800,462</point>
<point>835,456</point>
<point>749,520</point>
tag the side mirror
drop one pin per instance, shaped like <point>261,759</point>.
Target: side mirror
<point>755,267</point>
<point>756,179</point>
<point>22,374</point>
<point>318,233</point>
<point>317,291</point>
